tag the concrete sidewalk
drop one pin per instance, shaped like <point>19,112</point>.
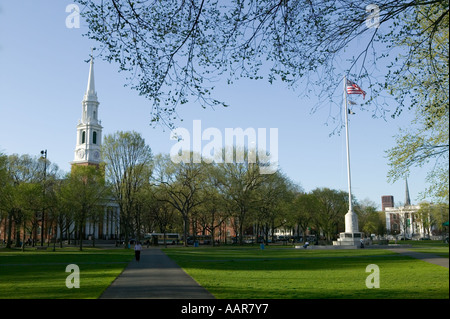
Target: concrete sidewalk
<point>430,258</point>
<point>155,276</point>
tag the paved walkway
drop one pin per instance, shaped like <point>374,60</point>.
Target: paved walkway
<point>430,258</point>
<point>155,276</point>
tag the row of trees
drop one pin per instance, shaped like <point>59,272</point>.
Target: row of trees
<point>36,200</point>
<point>397,50</point>
<point>154,193</point>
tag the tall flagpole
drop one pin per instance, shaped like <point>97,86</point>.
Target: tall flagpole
<point>351,236</point>
<point>348,148</point>
<point>351,219</point>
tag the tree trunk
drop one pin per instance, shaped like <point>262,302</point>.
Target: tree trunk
<point>93,234</point>
<point>241,233</point>
<point>81,237</point>
<point>164,238</point>
<point>8,240</point>
<point>186,225</point>
<point>24,234</point>
<point>212,229</point>
<point>18,225</point>
<point>49,229</point>
<point>241,227</point>
<point>60,236</point>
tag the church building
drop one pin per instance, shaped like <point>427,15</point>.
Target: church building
<point>88,152</point>
<point>405,220</point>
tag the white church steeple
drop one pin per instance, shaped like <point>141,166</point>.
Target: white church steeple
<point>89,129</point>
<point>90,90</point>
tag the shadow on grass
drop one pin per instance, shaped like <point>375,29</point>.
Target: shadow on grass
<point>42,274</point>
<point>313,275</point>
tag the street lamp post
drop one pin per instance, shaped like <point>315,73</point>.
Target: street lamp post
<point>44,157</point>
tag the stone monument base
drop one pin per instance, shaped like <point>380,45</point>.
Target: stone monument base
<point>349,239</point>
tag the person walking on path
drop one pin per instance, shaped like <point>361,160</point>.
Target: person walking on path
<point>156,276</point>
<point>137,251</point>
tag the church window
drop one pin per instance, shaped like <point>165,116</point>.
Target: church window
<point>83,137</point>
<point>94,138</point>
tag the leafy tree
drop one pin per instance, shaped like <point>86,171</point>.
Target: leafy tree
<point>22,171</point>
<point>127,158</point>
<point>425,217</point>
<point>165,216</point>
<point>433,216</point>
<point>65,213</point>
<point>304,208</point>
<point>4,188</point>
<point>142,201</point>
<point>419,79</point>
<point>370,221</point>
<point>213,212</point>
<point>331,209</point>
<point>84,191</point>
<point>424,85</point>
<point>174,50</point>
<point>157,214</point>
<point>180,185</point>
<point>271,202</point>
<point>29,196</point>
<point>238,183</point>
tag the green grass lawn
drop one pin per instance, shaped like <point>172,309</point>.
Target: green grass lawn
<point>233,272</point>
<point>274,273</point>
<point>42,274</point>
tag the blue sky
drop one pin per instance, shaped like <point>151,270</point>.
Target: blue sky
<point>43,77</point>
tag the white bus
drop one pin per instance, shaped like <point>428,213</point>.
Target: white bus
<point>171,238</point>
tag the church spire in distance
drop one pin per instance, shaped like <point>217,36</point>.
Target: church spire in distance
<point>89,129</point>
<point>407,198</point>
<point>91,95</point>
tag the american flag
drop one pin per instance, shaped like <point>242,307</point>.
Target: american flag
<point>353,88</point>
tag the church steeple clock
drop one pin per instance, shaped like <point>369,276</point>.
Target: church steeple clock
<point>89,129</point>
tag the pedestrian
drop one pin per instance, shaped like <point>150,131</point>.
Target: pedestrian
<point>137,251</point>
<point>306,245</point>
